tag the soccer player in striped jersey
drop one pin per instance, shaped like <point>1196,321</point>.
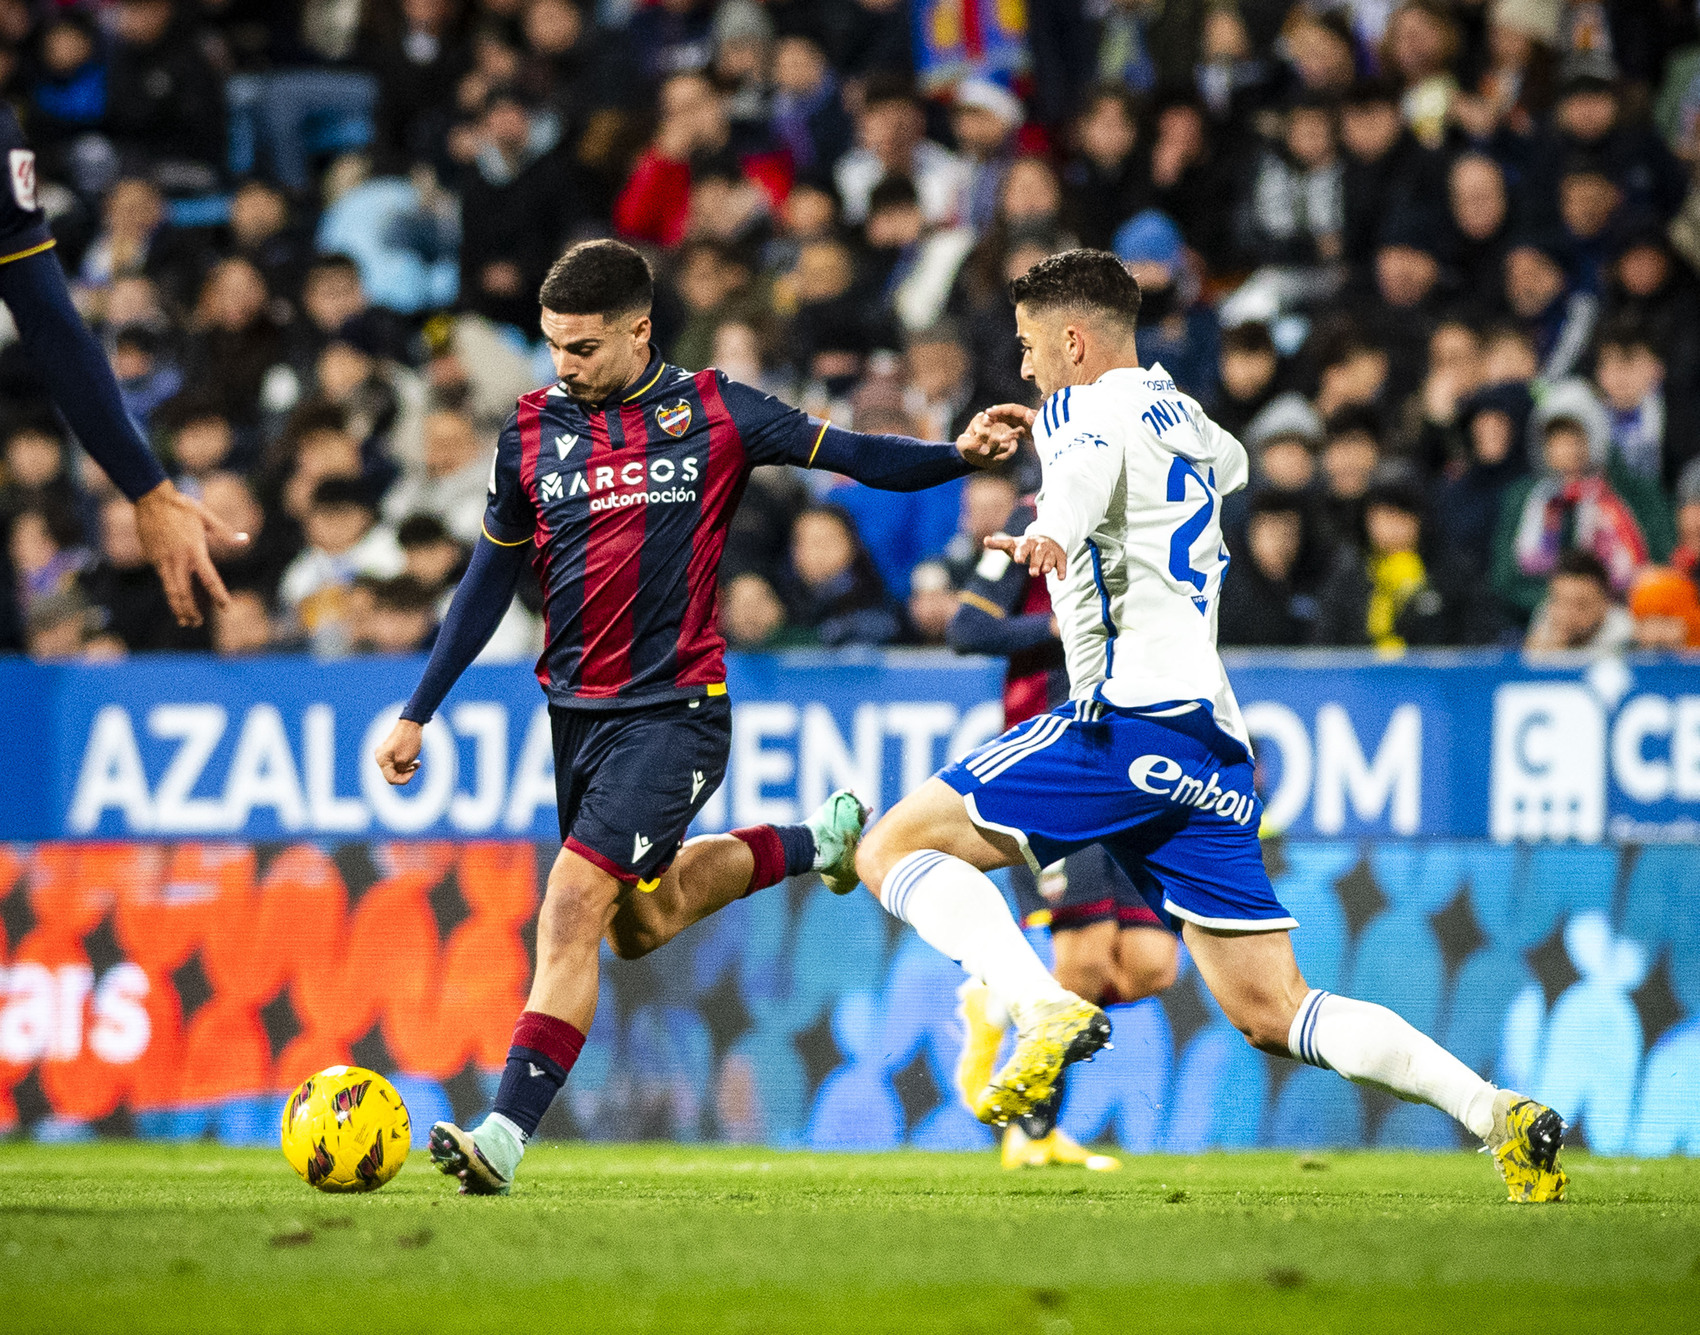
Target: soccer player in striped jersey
<point>1149,756</point>
<point>618,483</point>
<point>173,528</point>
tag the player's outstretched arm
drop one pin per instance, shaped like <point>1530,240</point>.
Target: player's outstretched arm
<point>902,463</point>
<point>174,530</point>
<point>474,612</point>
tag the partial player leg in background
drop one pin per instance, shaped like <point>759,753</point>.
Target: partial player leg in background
<point>926,862</point>
<point>1257,982</point>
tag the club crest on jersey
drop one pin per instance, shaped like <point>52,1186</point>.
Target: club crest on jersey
<point>674,418</point>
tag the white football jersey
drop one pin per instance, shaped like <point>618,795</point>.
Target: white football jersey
<point>1134,475</point>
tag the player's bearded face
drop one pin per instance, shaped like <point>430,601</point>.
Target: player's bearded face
<point>596,356</point>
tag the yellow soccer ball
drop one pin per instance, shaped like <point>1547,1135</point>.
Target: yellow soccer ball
<point>346,1129</point>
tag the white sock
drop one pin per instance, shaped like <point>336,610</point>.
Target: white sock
<point>1371,1045</point>
<point>957,910</point>
<point>997,1012</point>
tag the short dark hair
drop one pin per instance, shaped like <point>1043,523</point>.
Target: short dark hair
<point>404,593</point>
<point>1252,336</point>
<point>1583,565</point>
<point>598,278</point>
<point>336,493</point>
<point>1081,278</point>
<point>422,530</point>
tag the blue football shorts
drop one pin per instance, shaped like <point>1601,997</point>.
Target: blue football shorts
<point>1169,796</point>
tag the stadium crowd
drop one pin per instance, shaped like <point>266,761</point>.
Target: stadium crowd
<point>1436,262</point>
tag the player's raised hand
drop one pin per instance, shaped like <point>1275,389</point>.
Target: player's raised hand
<point>174,530</point>
<point>398,757</point>
<point>1041,555</point>
<point>1014,415</point>
<point>989,440</point>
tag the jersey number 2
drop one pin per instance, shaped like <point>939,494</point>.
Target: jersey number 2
<point>1180,545</point>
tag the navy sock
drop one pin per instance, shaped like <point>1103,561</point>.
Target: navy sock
<point>530,1082</point>
<point>534,1076</point>
<point>798,841</point>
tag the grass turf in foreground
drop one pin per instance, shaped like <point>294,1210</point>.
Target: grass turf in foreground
<point>136,1237</point>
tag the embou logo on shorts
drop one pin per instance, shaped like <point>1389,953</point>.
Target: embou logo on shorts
<point>1163,777</point>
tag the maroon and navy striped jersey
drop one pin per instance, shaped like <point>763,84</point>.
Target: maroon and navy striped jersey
<point>627,506</point>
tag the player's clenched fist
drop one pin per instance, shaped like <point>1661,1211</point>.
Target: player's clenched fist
<point>398,757</point>
<point>1039,554</point>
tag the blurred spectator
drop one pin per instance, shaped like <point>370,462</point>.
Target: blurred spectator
<point>835,591</point>
<point>236,339</point>
<point>1381,161</point>
<point>1102,182</point>
<point>1246,368</point>
<point>242,627</point>
<point>430,553</point>
<point>988,500</point>
<point>35,471</point>
<point>518,203</point>
<point>1686,555</point>
<point>891,141</point>
<point>1630,375</point>
<point>452,484</point>
<point>1589,202</point>
<point>344,540</point>
<point>1578,498</point>
<point>262,232</point>
<point>121,587</point>
<point>931,605</point>
<point>809,118</point>
<point>1401,588</point>
<point>1576,613</point>
<point>57,628</point>
<point>1175,329</point>
<point>1351,454</point>
<point>1515,87</point>
<point>1494,426</point>
<point>983,119</point>
<point>416,49</point>
<point>1283,441</point>
<point>46,552</point>
<point>272,542</point>
<point>751,615</point>
<point>147,377</point>
<point>1294,210</point>
<point>165,102</point>
<point>1263,602</point>
<point>1538,292</point>
<point>1418,49</point>
<point>199,437</point>
<point>694,135</point>
<point>1481,224</point>
<point>941,397</point>
<point>402,619</point>
<point>1666,609</point>
<point>1648,288</point>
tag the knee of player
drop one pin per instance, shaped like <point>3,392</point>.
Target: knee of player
<point>632,943</point>
<point>1150,962</point>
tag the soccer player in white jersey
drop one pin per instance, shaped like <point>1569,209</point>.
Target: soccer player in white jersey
<point>1149,756</point>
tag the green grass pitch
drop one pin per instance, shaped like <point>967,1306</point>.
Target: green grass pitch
<point>618,1238</point>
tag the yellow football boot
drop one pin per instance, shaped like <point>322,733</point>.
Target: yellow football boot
<point>1061,1148</point>
<point>1050,1036</point>
<point>1525,1141</point>
<point>981,1039</point>
<point>1017,1149</point>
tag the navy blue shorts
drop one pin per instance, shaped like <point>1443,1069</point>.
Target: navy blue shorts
<point>1170,798</point>
<point>629,783</point>
<point>1088,887</point>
